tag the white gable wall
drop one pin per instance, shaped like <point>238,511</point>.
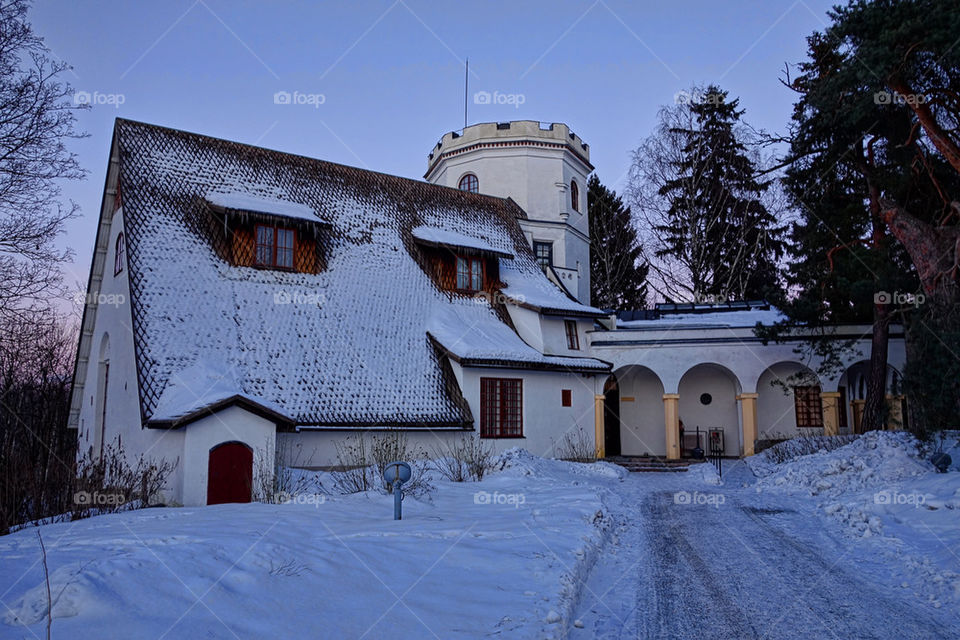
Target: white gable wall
<point>233,424</point>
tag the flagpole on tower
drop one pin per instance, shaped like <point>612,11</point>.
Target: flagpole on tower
<point>466,83</point>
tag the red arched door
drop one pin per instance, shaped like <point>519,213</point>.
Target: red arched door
<point>230,473</point>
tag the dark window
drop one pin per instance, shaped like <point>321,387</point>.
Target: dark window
<point>544,253</point>
<point>566,397</point>
<point>469,273</point>
<point>574,196</point>
<point>843,407</point>
<point>808,407</point>
<point>469,183</point>
<point>573,339</point>
<point>501,408</point>
<point>274,246</point>
<point>119,255</point>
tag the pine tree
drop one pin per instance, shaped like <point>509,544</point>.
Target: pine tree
<point>618,275</point>
<point>859,161</point>
<point>715,225</point>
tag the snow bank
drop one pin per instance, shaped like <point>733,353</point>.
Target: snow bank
<point>768,461</point>
<point>874,459</point>
<point>882,489</point>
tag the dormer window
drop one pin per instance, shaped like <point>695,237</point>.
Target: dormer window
<point>274,246</point>
<point>469,183</point>
<point>469,273</point>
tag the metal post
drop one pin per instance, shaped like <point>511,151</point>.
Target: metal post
<point>397,499</point>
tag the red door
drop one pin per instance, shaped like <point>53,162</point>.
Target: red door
<point>230,473</point>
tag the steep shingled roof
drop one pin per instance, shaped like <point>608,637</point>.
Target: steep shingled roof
<point>345,346</point>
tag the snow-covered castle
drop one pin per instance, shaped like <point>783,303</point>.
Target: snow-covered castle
<point>240,295</point>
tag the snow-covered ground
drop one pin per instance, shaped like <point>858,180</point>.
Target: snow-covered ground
<point>862,541</point>
<point>504,556</point>
<point>882,489</point>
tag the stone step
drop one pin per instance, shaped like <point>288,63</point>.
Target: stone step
<point>645,464</point>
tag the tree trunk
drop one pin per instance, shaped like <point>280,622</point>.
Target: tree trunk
<point>874,407</point>
<point>933,251</point>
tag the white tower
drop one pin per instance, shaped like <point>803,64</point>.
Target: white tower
<point>544,168</point>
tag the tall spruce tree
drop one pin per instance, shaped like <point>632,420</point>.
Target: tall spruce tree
<point>618,274</point>
<point>707,214</point>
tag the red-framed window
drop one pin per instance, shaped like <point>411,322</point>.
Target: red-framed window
<point>808,407</point>
<point>574,195</point>
<point>573,338</point>
<point>274,246</point>
<point>566,397</point>
<point>501,408</point>
<point>469,273</point>
<point>119,255</point>
<point>469,183</point>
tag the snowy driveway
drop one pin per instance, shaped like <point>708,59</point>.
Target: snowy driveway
<point>726,563</point>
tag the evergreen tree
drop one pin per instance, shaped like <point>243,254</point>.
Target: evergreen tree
<point>618,275</point>
<point>712,223</point>
<point>860,158</point>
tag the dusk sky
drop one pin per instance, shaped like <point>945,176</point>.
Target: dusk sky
<point>378,83</point>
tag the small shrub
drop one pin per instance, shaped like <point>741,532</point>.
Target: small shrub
<point>576,446</point>
<point>279,477</point>
<point>468,458</point>
<point>108,483</point>
<point>361,465</point>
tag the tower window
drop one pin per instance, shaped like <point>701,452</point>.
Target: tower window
<point>469,183</point>
<point>118,255</point>
<point>544,253</point>
<point>574,195</point>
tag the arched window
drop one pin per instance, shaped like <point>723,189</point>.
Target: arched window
<point>574,195</point>
<point>469,183</point>
<point>118,255</point>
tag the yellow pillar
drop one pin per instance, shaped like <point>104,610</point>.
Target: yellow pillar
<point>598,430</point>
<point>895,414</point>
<point>748,414</point>
<point>831,412</point>
<point>857,406</point>
<point>671,417</point>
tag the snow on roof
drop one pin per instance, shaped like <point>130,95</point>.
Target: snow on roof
<point>540,293</point>
<point>436,236</point>
<point>473,334</point>
<point>722,319</point>
<point>201,385</point>
<point>345,346</point>
<point>246,202</point>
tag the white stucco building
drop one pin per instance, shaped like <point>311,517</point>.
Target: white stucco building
<point>240,296</point>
